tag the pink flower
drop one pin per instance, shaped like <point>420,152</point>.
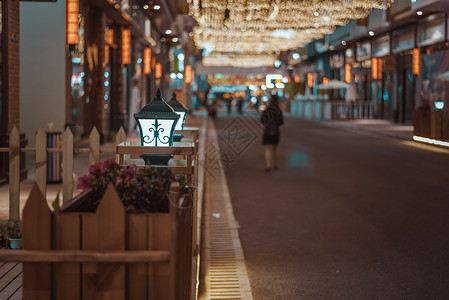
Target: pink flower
<point>108,163</point>
<point>130,173</point>
<point>119,182</point>
<point>97,168</point>
<point>84,182</point>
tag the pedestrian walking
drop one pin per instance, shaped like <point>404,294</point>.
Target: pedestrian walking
<point>271,119</point>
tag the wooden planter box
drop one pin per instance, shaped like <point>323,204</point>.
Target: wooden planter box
<point>108,254</point>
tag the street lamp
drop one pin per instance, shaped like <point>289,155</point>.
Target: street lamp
<point>182,111</point>
<point>156,122</point>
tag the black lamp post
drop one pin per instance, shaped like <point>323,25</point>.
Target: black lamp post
<point>182,111</point>
<point>156,122</point>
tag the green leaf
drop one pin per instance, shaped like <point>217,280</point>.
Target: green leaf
<point>55,204</point>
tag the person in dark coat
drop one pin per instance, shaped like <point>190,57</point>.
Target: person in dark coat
<point>271,119</point>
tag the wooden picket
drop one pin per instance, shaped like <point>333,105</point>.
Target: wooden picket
<point>14,174</point>
<point>94,147</point>
<point>41,160</point>
<point>66,236</point>
<point>36,236</point>
<point>67,167</point>
<point>120,138</point>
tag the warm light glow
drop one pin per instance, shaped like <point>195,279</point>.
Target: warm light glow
<point>188,74</point>
<point>269,80</point>
<point>348,76</point>
<point>147,61</point>
<point>126,46</point>
<point>260,26</point>
<point>239,60</point>
<point>416,61</point>
<point>374,70</point>
<point>72,10</point>
<point>430,141</point>
<point>110,36</point>
<point>297,78</point>
<point>158,70</point>
<point>310,80</point>
<point>326,80</point>
<point>106,54</point>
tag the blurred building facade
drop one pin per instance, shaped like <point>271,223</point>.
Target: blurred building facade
<point>91,63</point>
<point>392,57</point>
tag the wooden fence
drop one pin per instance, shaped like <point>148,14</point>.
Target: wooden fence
<point>188,233</point>
<point>108,254</point>
<point>41,162</point>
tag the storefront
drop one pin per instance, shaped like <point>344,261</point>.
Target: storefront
<point>362,71</point>
<point>403,42</point>
<point>384,76</point>
<point>337,66</point>
<point>106,65</point>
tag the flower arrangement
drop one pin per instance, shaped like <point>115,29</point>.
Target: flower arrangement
<point>140,189</point>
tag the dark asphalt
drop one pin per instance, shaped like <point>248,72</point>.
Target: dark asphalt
<point>349,215</point>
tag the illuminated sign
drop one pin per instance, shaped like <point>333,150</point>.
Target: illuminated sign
<point>310,80</point>
<point>348,75</point>
<point>158,70</point>
<point>188,74</point>
<point>297,78</point>
<point>147,61</point>
<point>374,70</point>
<point>269,80</point>
<point>106,54</point>
<point>72,10</point>
<point>126,46</point>
<point>110,36</point>
<point>416,61</point>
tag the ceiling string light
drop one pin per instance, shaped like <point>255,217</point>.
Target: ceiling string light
<point>240,29</point>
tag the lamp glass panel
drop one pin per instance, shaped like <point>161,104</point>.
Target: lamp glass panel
<point>156,132</point>
<point>180,123</point>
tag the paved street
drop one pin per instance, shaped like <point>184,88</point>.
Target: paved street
<point>349,215</point>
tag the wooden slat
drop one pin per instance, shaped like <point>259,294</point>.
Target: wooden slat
<point>94,147</point>
<point>67,158</point>
<point>159,238</point>
<point>6,267</point>
<point>89,242</point>
<point>104,230</point>
<point>88,256</point>
<point>17,295</point>
<point>41,160</point>
<point>184,248</point>
<point>66,236</point>
<point>175,266</point>
<point>10,275</point>
<point>111,236</point>
<point>120,138</point>
<point>137,150</point>
<point>36,236</point>
<point>12,287</point>
<point>14,174</point>
<point>136,239</point>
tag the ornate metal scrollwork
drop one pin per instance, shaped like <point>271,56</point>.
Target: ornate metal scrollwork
<point>155,132</point>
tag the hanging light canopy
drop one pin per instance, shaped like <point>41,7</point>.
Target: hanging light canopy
<point>156,122</point>
<point>261,26</point>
